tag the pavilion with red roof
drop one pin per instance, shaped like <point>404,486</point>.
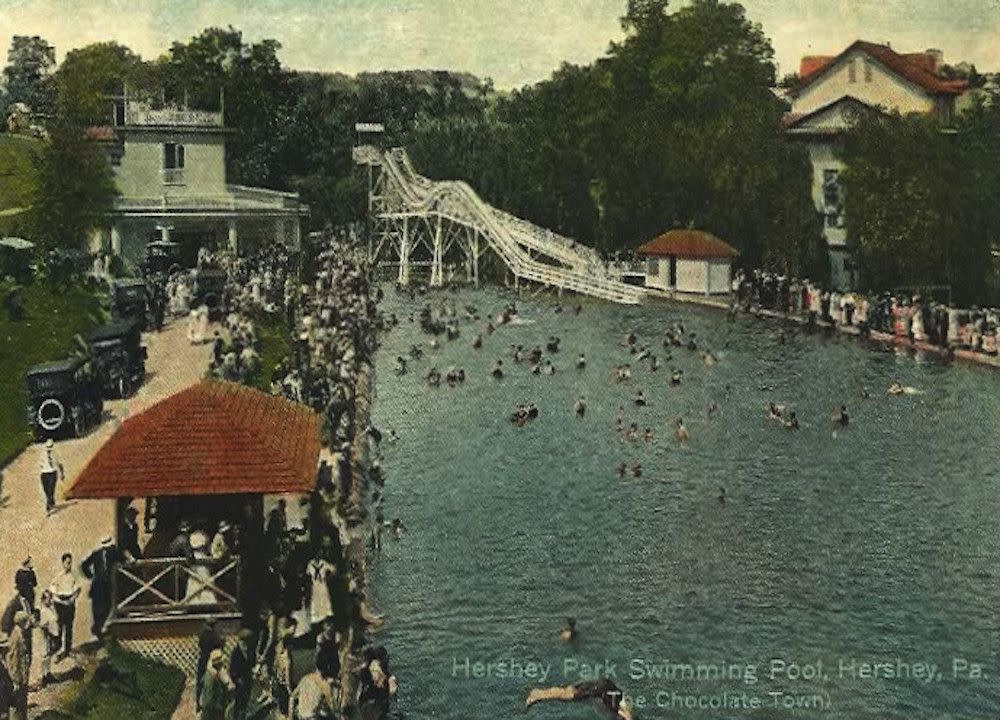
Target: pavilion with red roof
<point>204,456</point>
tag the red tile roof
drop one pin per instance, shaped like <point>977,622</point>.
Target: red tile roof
<point>687,244</point>
<point>100,133</point>
<point>213,438</point>
<point>812,64</point>
<point>918,68</point>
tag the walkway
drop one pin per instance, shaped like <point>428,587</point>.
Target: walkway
<point>78,526</point>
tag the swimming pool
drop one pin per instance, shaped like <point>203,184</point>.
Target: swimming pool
<point>839,569</point>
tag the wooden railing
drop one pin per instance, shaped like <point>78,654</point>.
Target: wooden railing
<point>174,585</point>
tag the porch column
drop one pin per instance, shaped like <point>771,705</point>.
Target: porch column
<point>233,236</point>
<point>165,233</point>
<point>116,240</point>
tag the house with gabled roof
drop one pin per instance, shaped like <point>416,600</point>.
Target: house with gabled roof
<point>831,91</point>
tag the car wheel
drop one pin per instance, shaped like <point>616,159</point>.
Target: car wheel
<point>50,415</point>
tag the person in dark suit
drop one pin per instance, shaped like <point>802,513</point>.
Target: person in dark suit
<point>208,641</point>
<point>241,662</point>
<point>129,535</point>
<point>98,567</point>
<point>25,580</point>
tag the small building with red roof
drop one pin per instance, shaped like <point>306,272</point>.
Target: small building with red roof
<point>832,91</point>
<point>197,461</point>
<point>688,261</point>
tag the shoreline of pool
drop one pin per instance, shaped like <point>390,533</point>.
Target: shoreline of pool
<point>718,304</point>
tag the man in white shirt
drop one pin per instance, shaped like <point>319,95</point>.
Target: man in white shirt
<point>65,590</point>
<point>51,470</point>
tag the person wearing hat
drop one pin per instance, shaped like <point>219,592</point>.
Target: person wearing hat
<point>18,662</point>
<point>98,568</point>
<point>51,472</point>
<point>220,543</point>
<point>25,580</point>
<point>209,642</point>
<point>216,687</point>
<point>241,662</point>
<point>128,535</point>
<point>65,590</point>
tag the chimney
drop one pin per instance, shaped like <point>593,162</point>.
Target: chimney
<point>935,58</point>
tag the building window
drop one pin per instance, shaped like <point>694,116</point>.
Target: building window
<point>852,72</point>
<point>119,113</point>
<point>173,156</point>
<point>652,266</point>
<point>173,164</point>
<point>868,71</point>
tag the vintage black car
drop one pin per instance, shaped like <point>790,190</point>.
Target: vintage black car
<point>162,257</point>
<point>119,357</point>
<point>64,398</point>
<point>210,289</point>
<point>130,299</point>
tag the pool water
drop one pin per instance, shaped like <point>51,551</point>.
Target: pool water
<point>877,543</point>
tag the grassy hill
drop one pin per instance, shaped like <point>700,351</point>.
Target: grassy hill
<point>17,179</point>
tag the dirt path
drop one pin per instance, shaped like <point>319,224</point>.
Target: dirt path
<point>78,526</point>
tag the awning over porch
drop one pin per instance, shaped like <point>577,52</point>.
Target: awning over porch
<point>214,438</point>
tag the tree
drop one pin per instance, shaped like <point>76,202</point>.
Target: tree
<point>88,75</point>
<point>75,189</point>
<point>27,75</point>
<point>918,206</point>
<point>217,66</point>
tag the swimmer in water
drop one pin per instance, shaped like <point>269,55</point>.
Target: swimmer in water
<point>568,633</point>
<point>654,363</point>
<point>675,377</point>
<point>622,469</point>
<point>577,309</point>
<point>536,369</point>
<point>636,469</point>
<point>722,494</point>
<point>498,370</point>
<point>791,422</point>
<point>581,362</point>
<point>682,432</point>
<point>839,418</point>
<point>550,369</point>
<point>648,435</point>
<point>896,388</point>
<point>477,342</point>
<point>711,409</point>
<point>709,358</point>
<point>580,407</point>
<point>640,399</point>
<point>609,698</point>
<point>775,411</point>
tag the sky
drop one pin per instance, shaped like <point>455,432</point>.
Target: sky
<point>515,42</point>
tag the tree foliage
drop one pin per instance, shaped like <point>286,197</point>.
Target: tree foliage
<point>75,189</point>
<point>677,126</point>
<point>28,74</point>
<point>920,203</point>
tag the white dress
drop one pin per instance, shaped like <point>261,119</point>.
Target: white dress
<point>196,593</point>
<point>320,603</point>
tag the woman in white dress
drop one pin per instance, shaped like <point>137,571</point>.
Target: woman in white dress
<point>198,594</point>
<point>320,602</point>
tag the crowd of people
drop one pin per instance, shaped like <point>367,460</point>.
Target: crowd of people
<point>314,615</point>
<point>907,316</point>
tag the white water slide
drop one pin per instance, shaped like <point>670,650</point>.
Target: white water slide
<point>412,211</point>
